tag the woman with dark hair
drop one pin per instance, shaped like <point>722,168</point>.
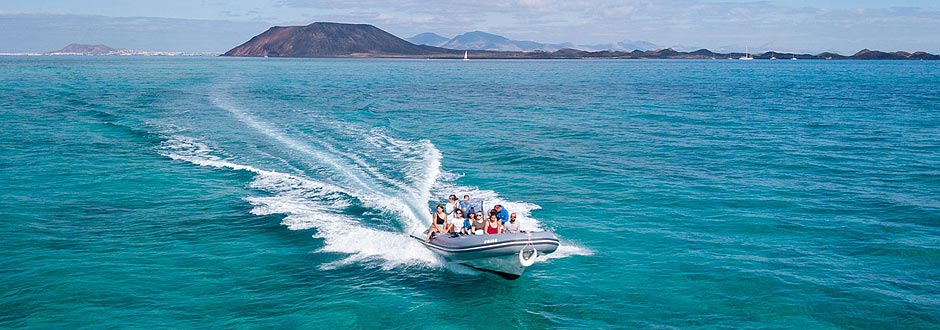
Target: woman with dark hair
<point>468,223</point>
<point>439,223</point>
<point>493,226</point>
<point>478,225</point>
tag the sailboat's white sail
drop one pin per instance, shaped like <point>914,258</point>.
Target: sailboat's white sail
<point>747,55</point>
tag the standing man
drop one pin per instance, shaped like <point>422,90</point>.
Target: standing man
<point>452,205</point>
<point>466,205</point>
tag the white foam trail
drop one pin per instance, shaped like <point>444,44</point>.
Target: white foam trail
<point>344,234</point>
<point>311,204</point>
<point>352,176</point>
<point>565,250</point>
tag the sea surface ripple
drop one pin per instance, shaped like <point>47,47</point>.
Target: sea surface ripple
<point>279,193</point>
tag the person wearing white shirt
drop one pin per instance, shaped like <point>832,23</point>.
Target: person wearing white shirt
<point>511,226</point>
<point>452,205</point>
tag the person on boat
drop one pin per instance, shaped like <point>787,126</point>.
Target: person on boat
<point>467,228</point>
<point>466,205</point>
<point>478,223</point>
<point>512,226</point>
<point>452,205</point>
<point>493,226</point>
<point>458,218</point>
<point>501,213</point>
<point>439,223</point>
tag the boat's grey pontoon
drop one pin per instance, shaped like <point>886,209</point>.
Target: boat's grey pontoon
<point>506,255</point>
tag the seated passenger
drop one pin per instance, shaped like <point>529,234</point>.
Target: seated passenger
<point>478,224</point>
<point>493,226</point>
<point>501,213</point>
<point>439,223</point>
<point>467,228</point>
<point>459,219</point>
<point>512,226</point>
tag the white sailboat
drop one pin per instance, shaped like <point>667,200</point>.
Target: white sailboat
<point>747,56</point>
<point>465,53</point>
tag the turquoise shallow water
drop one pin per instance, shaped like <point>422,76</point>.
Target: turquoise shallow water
<point>241,193</point>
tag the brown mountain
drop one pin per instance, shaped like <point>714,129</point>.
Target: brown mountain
<point>866,54</point>
<point>924,56</point>
<point>331,40</point>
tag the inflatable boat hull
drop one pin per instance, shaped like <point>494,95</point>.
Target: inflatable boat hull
<point>498,254</point>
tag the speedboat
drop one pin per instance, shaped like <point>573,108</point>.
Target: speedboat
<point>506,255</point>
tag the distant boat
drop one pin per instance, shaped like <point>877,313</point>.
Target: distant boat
<point>747,56</point>
<point>465,57</point>
<point>793,58</point>
<point>773,57</point>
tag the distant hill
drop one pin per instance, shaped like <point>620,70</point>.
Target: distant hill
<point>322,39</point>
<point>866,54</point>
<point>363,40</point>
<point>102,50</point>
<point>478,40</point>
<point>625,45</point>
<point>428,38</point>
<point>83,49</point>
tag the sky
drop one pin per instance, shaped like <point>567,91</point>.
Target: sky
<point>214,25</point>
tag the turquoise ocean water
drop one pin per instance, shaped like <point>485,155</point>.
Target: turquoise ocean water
<point>279,193</point>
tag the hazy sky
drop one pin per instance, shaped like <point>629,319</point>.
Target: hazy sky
<point>212,25</point>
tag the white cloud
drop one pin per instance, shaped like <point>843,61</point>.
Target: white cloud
<point>47,32</point>
<point>690,22</point>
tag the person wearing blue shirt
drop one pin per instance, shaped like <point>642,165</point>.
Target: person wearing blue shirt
<point>468,224</point>
<point>466,205</point>
<point>501,213</point>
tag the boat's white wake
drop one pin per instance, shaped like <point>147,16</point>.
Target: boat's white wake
<point>311,204</point>
<point>362,199</point>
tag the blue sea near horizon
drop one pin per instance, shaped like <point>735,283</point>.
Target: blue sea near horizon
<point>279,193</point>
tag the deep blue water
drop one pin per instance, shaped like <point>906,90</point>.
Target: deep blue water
<point>279,193</point>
